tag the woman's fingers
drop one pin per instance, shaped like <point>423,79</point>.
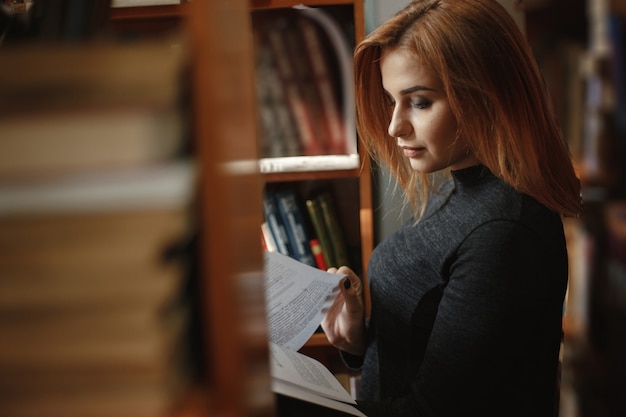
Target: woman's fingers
<point>344,321</point>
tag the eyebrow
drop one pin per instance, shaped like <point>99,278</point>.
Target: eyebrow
<point>412,90</point>
<point>415,88</point>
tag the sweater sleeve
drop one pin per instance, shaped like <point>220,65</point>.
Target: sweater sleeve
<point>499,286</point>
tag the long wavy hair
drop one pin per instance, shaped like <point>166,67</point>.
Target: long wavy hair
<point>495,90</point>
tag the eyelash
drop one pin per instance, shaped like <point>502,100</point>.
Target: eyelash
<point>416,104</point>
<point>421,104</point>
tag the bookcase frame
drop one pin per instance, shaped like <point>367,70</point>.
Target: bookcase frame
<point>231,357</point>
<point>318,343</point>
<point>231,283</point>
<point>364,172</point>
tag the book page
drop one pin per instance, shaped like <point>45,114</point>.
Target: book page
<point>297,298</point>
<point>307,373</point>
<point>289,390</point>
<point>298,376</point>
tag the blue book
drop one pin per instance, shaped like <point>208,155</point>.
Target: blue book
<point>293,219</point>
<point>276,225</point>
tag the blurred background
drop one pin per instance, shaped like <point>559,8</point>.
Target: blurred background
<point>129,191</point>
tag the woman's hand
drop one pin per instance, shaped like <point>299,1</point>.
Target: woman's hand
<point>344,323</point>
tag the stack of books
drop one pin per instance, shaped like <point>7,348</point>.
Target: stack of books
<point>96,190</point>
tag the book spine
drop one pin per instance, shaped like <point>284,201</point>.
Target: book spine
<point>319,227</point>
<point>269,244</point>
<point>308,87</point>
<point>329,107</point>
<point>294,92</point>
<point>279,134</point>
<point>284,114</point>
<point>270,136</point>
<point>294,223</point>
<point>334,229</point>
<point>276,225</point>
<point>316,248</point>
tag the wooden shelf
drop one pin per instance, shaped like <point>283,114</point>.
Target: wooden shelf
<point>149,12</point>
<point>310,175</point>
<point>148,21</point>
<point>227,356</point>
<point>276,4</point>
<point>236,380</point>
<point>362,174</point>
<point>318,339</point>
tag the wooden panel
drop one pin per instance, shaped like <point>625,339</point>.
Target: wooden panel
<point>231,206</point>
<point>149,12</point>
<point>274,4</point>
<point>365,178</point>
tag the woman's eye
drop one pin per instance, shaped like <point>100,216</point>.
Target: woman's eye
<point>421,104</point>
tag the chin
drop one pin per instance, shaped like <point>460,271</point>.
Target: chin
<point>422,167</point>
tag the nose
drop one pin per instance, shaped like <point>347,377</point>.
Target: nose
<point>398,125</point>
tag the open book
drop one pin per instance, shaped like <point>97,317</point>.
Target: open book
<point>297,297</point>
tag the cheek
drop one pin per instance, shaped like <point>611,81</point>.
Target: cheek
<point>441,130</point>
<point>448,123</point>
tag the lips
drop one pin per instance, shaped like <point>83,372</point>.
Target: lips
<point>411,152</point>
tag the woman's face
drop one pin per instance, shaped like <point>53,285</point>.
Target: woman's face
<point>422,121</point>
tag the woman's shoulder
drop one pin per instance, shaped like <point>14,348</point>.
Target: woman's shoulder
<point>483,198</point>
<point>481,193</point>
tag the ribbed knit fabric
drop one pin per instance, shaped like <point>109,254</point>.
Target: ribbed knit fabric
<point>467,306</point>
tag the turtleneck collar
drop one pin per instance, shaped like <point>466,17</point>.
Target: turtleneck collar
<point>471,174</point>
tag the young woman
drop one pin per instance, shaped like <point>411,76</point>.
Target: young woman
<point>467,296</point>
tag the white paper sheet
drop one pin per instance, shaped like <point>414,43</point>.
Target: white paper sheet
<point>297,298</point>
<point>307,373</point>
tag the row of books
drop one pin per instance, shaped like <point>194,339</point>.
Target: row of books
<point>304,89</point>
<point>95,201</point>
<point>309,230</point>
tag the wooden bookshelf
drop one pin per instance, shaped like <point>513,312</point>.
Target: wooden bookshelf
<point>363,208</point>
<point>214,36</point>
<point>237,213</point>
<point>593,368</point>
<point>177,11</point>
<point>217,36</point>
<point>236,345</point>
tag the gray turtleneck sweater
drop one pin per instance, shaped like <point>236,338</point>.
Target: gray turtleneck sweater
<point>467,306</point>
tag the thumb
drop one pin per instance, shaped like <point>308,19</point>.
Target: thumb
<point>351,284</point>
<point>352,291</point>
<point>347,284</point>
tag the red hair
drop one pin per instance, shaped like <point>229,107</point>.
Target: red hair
<point>495,90</point>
